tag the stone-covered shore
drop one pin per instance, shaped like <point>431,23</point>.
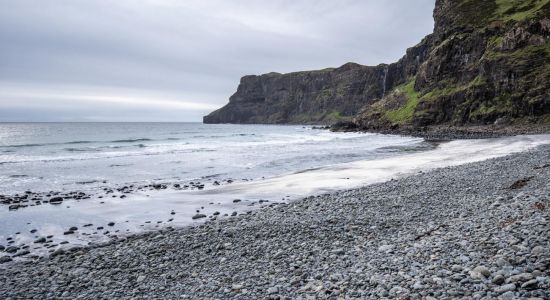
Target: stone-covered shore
<point>477,231</point>
<point>447,133</point>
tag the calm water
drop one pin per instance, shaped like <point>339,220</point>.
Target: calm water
<point>85,156</point>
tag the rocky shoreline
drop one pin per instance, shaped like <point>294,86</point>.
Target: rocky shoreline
<point>447,133</point>
<point>477,231</point>
<point>33,198</point>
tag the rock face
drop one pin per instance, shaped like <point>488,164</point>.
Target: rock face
<point>304,97</point>
<point>323,96</point>
<point>487,61</point>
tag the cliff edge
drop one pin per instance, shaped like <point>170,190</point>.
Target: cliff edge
<point>487,62</point>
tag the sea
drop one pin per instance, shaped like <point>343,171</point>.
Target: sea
<point>142,177</point>
<point>86,156</point>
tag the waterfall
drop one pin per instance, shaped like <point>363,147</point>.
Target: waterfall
<point>384,82</point>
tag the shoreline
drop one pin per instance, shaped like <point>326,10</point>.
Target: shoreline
<point>448,133</point>
<point>318,245</point>
<point>59,225</point>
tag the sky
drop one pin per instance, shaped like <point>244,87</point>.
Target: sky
<point>177,60</point>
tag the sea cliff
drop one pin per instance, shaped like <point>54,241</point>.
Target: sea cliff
<point>487,62</point>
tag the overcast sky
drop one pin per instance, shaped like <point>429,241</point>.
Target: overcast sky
<point>176,60</point>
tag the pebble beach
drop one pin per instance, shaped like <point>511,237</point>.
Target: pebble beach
<point>476,231</point>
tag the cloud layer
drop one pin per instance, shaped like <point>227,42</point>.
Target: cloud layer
<point>169,60</point>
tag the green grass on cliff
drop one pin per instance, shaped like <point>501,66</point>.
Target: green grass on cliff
<point>482,13</point>
<point>320,117</point>
<point>499,106</point>
<point>450,89</point>
<point>518,10</point>
<point>405,113</point>
<point>530,55</point>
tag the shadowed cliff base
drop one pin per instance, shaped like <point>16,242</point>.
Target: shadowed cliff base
<point>448,132</point>
<point>487,63</point>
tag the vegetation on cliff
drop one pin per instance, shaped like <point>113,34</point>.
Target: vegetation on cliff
<point>490,62</point>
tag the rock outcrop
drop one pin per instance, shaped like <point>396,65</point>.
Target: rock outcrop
<point>488,61</point>
<point>303,97</point>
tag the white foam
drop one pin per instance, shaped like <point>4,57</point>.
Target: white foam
<point>360,173</point>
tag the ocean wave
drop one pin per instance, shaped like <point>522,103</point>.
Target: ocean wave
<point>98,154</point>
<point>132,140</point>
<point>45,144</point>
<point>87,182</point>
<point>112,147</point>
<point>85,149</point>
<point>75,143</point>
<point>119,165</point>
<point>196,150</point>
<point>423,146</point>
<point>24,145</point>
<point>78,142</point>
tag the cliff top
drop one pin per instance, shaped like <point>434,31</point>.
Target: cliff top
<point>453,14</point>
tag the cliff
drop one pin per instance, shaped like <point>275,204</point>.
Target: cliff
<point>303,97</point>
<point>487,61</point>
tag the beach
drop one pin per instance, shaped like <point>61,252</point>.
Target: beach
<point>275,150</point>
<point>473,231</point>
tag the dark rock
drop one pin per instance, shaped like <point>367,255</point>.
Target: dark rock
<point>12,249</point>
<point>5,259</point>
<point>40,240</point>
<point>56,200</point>
<point>57,252</point>
<point>520,183</point>
<point>198,216</point>
<point>344,126</point>
<point>531,284</point>
<point>111,224</point>
<point>21,253</point>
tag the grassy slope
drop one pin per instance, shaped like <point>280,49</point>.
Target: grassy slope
<point>405,113</point>
<point>518,10</point>
<point>481,14</point>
